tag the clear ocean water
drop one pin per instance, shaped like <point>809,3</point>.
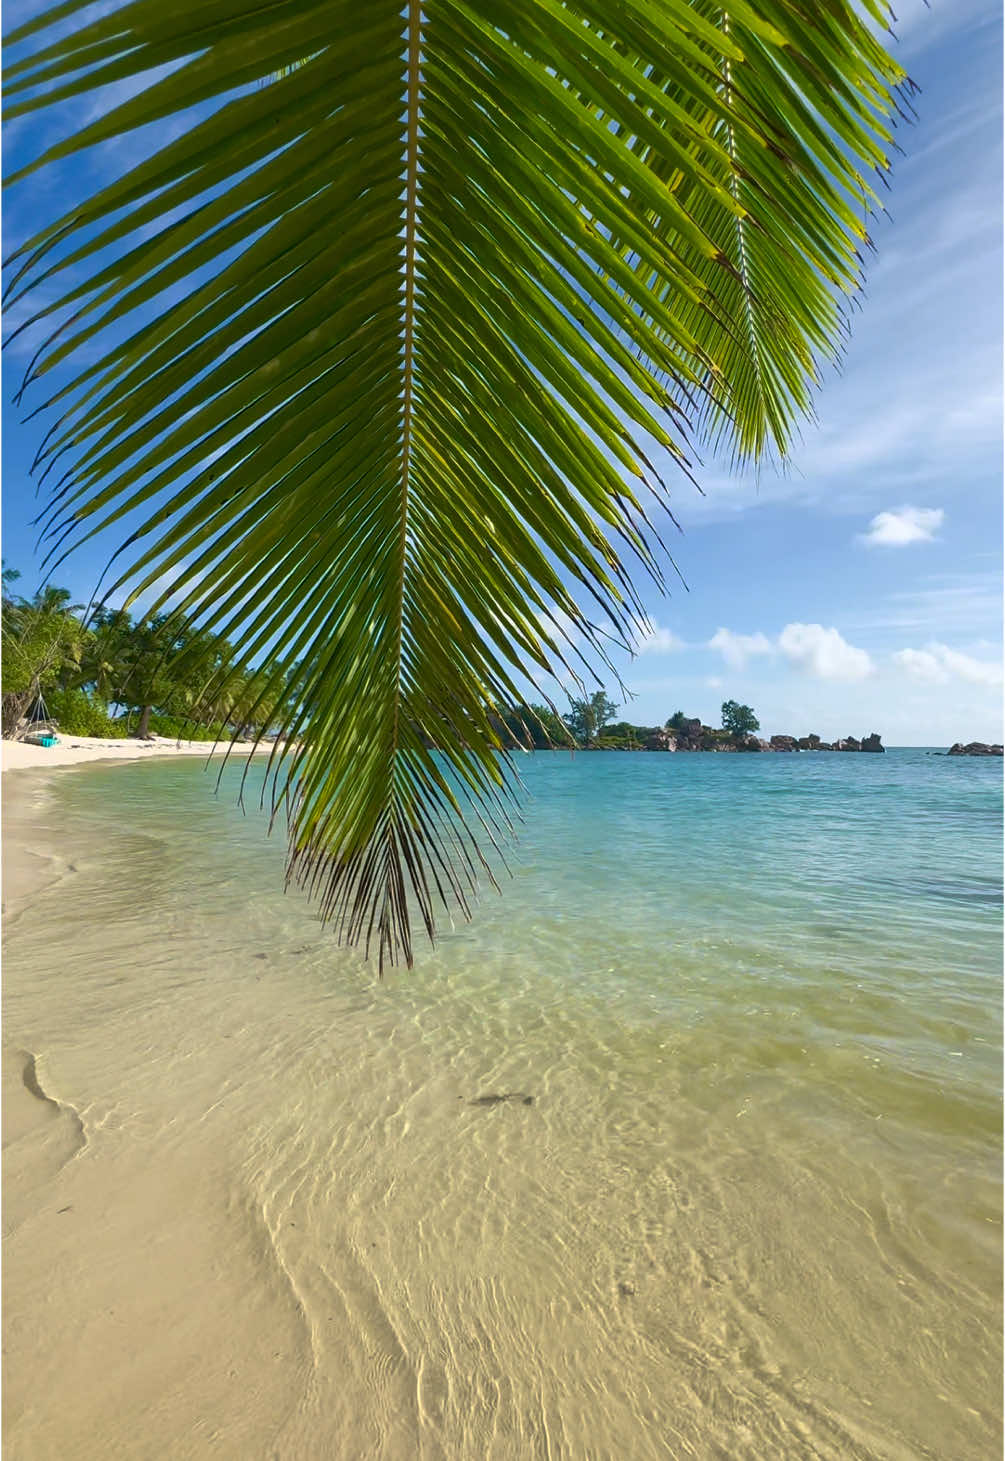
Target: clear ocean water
<point>752,1208</point>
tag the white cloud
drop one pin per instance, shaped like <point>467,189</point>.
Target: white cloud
<point>920,664</point>
<point>659,640</point>
<point>559,625</point>
<point>906,525</point>
<point>823,653</point>
<point>936,664</point>
<point>713,682</point>
<point>736,649</point>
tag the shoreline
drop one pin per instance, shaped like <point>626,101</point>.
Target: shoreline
<point>82,750</point>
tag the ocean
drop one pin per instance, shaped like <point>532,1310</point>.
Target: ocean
<point>742,1199</point>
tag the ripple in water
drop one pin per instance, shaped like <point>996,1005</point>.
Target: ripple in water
<point>750,1210</point>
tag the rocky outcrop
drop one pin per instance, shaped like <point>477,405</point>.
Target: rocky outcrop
<point>661,740</point>
<point>693,736</point>
<point>688,736</point>
<point>974,748</point>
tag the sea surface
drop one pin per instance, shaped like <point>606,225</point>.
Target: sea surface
<point>743,1199</point>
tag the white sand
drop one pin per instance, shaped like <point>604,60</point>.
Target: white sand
<point>74,750</point>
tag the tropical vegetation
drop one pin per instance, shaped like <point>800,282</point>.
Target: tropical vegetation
<point>388,354</point>
<point>738,719</point>
<point>111,675</point>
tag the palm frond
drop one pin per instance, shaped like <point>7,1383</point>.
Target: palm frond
<point>387,346</point>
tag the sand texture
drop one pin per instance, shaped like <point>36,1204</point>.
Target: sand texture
<point>76,750</point>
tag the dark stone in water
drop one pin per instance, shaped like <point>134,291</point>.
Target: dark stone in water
<point>499,1096</point>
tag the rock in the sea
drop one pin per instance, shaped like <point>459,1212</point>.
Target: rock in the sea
<point>849,744</point>
<point>872,743</point>
<point>974,748</point>
<point>784,743</point>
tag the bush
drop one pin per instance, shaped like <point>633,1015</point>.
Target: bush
<point>77,714</point>
<point>180,729</point>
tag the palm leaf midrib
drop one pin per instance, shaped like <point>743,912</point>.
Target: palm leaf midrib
<point>439,295</point>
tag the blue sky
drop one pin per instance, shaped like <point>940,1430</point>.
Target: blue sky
<point>861,589</point>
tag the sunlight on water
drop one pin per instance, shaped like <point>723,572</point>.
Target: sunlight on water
<point>742,1199</point>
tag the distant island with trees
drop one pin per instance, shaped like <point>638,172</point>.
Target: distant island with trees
<point>589,725</point>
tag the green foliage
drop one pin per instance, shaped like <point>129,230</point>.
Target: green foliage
<point>438,287</point>
<point>180,729</point>
<point>739,720</point>
<point>42,643</point>
<point>677,721</point>
<point>586,718</point>
<point>532,726</point>
<point>174,678</point>
<point>547,728</point>
<point>78,714</point>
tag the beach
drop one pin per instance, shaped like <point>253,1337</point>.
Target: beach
<point>260,1204</point>
<point>81,750</point>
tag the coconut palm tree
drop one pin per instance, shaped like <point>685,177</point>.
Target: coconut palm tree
<point>406,329</point>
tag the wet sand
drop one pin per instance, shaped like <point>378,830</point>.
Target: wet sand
<point>144,1317</point>
<point>256,1207</point>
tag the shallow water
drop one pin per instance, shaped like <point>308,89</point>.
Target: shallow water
<point>752,1209</point>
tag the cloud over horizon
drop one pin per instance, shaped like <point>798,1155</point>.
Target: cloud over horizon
<point>937,664</point>
<point>813,649</point>
<point>737,649</point>
<point>824,653</point>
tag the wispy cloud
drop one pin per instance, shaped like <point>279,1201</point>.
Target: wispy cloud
<point>659,640</point>
<point>965,604</point>
<point>937,664</point>
<point>905,525</point>
<point>737,649</point>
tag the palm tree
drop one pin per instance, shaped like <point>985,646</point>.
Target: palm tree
<point>43,643</point>
<point>441,296</point>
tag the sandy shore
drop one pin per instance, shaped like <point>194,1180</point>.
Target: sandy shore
<point>76,750</point>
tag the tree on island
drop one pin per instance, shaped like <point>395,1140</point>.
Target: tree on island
<point>587,718</point>
<point>369,366</point>
<point>739,720</point>
<point>677,721</point>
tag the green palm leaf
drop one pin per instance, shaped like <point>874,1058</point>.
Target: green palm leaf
<point>388,343</point>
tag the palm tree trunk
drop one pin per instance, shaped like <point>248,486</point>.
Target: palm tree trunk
<point>143,729</point>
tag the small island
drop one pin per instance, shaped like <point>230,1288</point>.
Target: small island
<point>973,748</point>
<point>589,725</point>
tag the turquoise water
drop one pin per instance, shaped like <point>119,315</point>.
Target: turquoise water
<point>753,1208</point>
